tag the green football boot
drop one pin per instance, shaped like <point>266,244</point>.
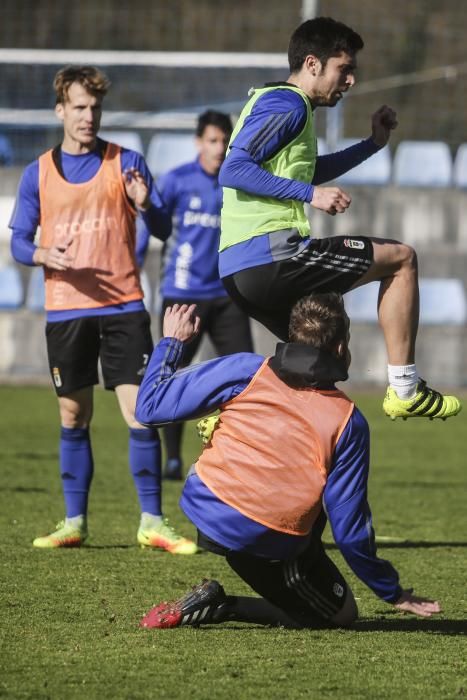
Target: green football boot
<point>205,428</point>
<point>163,536</point>
<point>427,403</point>
<point>64,536</point>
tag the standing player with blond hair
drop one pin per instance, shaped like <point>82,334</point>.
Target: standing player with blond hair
<point>85,195</point>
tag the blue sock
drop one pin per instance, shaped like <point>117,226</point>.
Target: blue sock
<point>145,465</point>
<point>76,469</point>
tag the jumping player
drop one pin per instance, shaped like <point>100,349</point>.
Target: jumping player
<point>289,451</point>
<point>267,258</point>
<point>85,195</point>
<point>190,259</point>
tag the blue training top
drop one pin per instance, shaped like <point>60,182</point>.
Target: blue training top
<point>275,120</point>
<point>193,198</point>
<point>167,395</point>
<point>77,169</point>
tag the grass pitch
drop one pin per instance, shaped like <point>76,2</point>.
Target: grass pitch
<point>70,617</point>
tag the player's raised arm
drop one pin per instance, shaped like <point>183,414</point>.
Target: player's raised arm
<point>141,190</point>
<point>137,188</point>
<point>332,200</point>
<point>181,322</point>
<point>383,121</point>
<point>167,395</point>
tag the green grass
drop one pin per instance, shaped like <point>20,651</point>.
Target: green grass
<point>70,618</point>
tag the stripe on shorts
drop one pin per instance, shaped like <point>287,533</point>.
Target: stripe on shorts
<point>303,588</point>
<point>332,261</point>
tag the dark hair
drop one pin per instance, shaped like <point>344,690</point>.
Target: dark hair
<point>319,320</point>
<point>323,37</point>
<point>213,118</point>
<point>91,78</point>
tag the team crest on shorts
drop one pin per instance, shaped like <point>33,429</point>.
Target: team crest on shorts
<point>338,589</point>
<point>57,377</point>
<point>352,243</point>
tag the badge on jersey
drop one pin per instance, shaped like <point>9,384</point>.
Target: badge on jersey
<point>351,243</point>
<point>56,376</point>
<point>195,202</point>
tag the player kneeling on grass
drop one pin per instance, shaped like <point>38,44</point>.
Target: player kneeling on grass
<point>289,451</point>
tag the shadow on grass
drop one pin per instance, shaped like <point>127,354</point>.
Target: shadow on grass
<point>413,624</point>
<point>37,456</point>
<point>23,489</point>
<point>453,628</point>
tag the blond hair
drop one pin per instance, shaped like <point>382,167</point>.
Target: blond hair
<point>91,78</point>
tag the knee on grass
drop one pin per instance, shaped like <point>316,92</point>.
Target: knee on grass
<point>348,614</point>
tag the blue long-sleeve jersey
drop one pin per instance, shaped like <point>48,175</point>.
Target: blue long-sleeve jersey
<point>193,198</point>
<point>275,120</point>
<point>76,170</point>
<point>168,395</point>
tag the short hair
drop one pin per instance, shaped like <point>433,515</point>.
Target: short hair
<point>212,118</point>
<point>323,37</point>
<point>319,320</point>
<point>91,78</point>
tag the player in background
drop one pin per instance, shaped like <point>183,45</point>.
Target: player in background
<point>190,258</point>
<point>267,258</point>
<point>85,195</point>
<point>289,451</point>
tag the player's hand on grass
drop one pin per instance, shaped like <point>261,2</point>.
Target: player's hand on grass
<point>136,188</point>
<point>383,121</point>
<point>418,606</point>
<point>181,322</point>
<point>332,200</point>
<point>55,258</point>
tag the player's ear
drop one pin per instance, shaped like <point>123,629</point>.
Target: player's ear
<point>343,353</point>
<point>313,64</point>
<point>341,349</point>
<point>59,111</point>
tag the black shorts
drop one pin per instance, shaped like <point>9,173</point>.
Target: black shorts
<point>268,292</point>
<point>122,342</point>
<point>309,588</point>
<point>227,326</point>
